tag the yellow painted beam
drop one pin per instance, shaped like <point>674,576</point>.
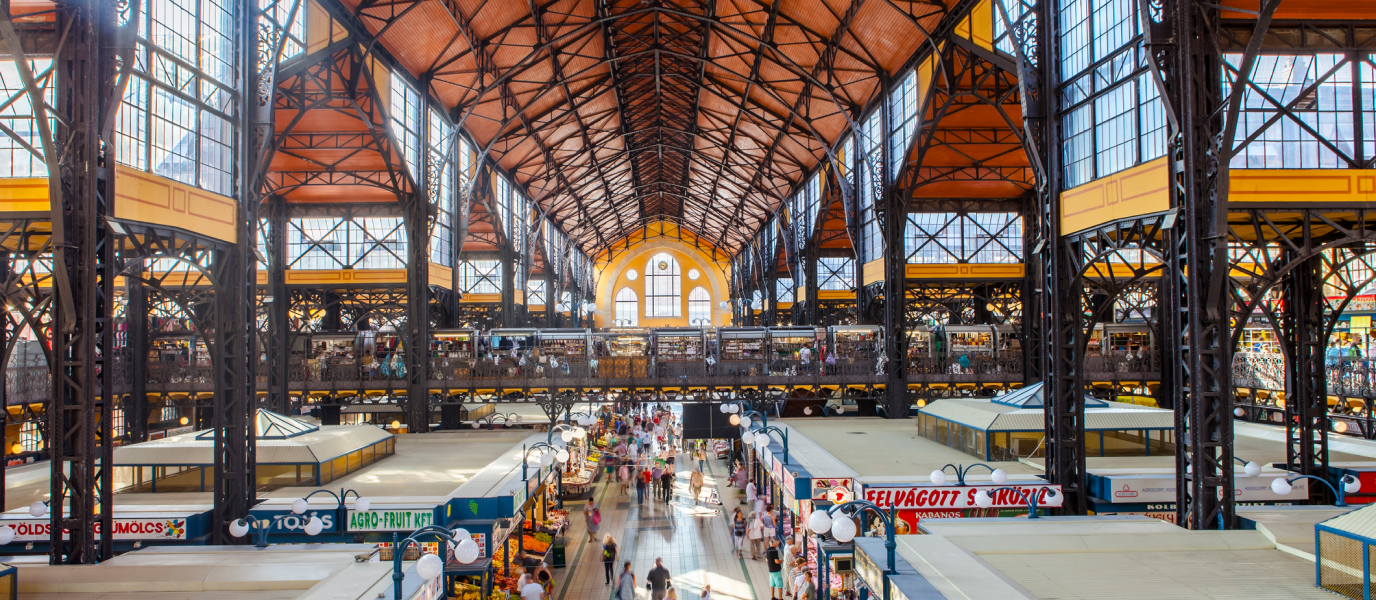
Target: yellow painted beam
<point>1137,191</point>
<point>966,271</point>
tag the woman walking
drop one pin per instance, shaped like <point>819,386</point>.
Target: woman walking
<point>608,556</point>
<point>738,531</point>
<point>755,531</point>
<point>625,586</point>
<point>594,519</point>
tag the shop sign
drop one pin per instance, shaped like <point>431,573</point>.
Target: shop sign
<point>790,483</point>
<point>285,522</point>
<point>519,496</point>
<point>778,469</point>
<point>821,486</point>
<point>959,497</point>
<point>840,495</point>
<point>1119,489</point>
<point>39,530</point>
<point>431,590</point>
<point>390,520</point>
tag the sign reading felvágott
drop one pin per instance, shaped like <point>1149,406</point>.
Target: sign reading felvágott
<point>390,520</point>
<point>933,497</point>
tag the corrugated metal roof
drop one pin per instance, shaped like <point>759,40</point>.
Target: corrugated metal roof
<point>1358,522</point>
<point>311,448</point>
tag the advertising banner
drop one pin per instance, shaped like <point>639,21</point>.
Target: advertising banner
<point>1138,488</point>
<point>39,530</point>
<point>928,497</point>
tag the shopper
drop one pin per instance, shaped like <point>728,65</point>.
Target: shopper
<point>658,580</point>
<point>625,585</point>
<point>738,531</point>
<point>755,531</point>
<point>608,556</point>
<point>695,484</point>
<point>807,589</point>
<point>774,559</point>
<point>701,455</point>
<point>593,516</point>
<point>706,593</point>
<point>640,484</point>
<point>770,528</point>
<point>750,493</point>
<point>533,591</point>
<point>790,555</point>
<point>624,475</point>
<point>655,474</point>
<point>666,483</point>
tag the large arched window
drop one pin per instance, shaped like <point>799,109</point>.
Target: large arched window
<point>627,307</point>
<point>663,287</point>
<point>699,307</point>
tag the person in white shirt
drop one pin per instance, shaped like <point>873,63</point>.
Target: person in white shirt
<point>533,591</point>
<point>750,492</point>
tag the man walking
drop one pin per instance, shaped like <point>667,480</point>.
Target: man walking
<point>775,560</point>
<point>695,484</point>
<point>666,483</point>
<point>658,579</point>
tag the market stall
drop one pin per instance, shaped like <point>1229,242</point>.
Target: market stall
<point>622,352</point>
<point>679,352</point>
<point>786,346</point>
<point>564,352</point>
<point>742,351</point>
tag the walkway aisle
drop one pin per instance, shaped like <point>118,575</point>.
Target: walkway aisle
<point>694,542</point>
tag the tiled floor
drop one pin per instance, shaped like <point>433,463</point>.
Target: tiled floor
<point>693,541</point>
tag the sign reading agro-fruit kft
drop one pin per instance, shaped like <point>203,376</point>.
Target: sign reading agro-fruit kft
<point>404,519</point>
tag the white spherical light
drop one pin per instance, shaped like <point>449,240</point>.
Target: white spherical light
<point>1239,411</point>
<point>735,408</point>
<point>841,409</point>
<point>362,504</point>
<point>735,420</point>
<point>566,435</point>
<point>38,509</point>
<point>580,433</point>
<point>546,459</point>
<point>745,422</point>
<point>238,528</point>
<point>467,551</point>
<point>762,441</point>
<point>819,521</point>
<point>6,535</point>
<point>299,506</point>
<point>518,418</point>
<point>1252,469</point>
<point>460,535</point>
<point>938,477</point>
<point>724,408</point>
<point>807,411</point>
<point>843,529</point>
<point>429,567</point>
<point>999,477</point>
<point>1281,487</point>
<point>314,526</point>
<point>1351,485</point>
<point>983,499</point>
<point>562,455</point>
<point>748,437</point>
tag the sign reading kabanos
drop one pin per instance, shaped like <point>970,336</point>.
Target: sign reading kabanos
<point>926,496</point>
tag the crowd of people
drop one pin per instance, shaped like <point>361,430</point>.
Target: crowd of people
<point>643,447</point>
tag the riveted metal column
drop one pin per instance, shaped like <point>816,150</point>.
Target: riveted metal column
<point>136,346</point>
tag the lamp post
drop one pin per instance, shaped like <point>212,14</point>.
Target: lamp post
<point>570,433</point>
<point>551,454</point>
<point>840,410</point>
<point>429,566</point>
<point>302,504</point>
<point>984,499</point>
<point>760,438</point>
<point>1350,485</point>
<point>241,527</point>
<point>844,530</point>
<point>939,477</point>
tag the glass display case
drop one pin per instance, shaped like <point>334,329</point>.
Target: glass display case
<point>786,342</point>
<point>920,343</point>
<point>624,342</point>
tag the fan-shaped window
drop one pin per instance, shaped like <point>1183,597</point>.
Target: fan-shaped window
<point>663,287</point>
<point>699,307</point>
<point>627,307</point>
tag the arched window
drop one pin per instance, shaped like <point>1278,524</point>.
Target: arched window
<point>663,287</point>
<point>699,307</point>
<point>627,307</point>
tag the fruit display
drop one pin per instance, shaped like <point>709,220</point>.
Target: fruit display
<point>533,544</point>
<point>464,591</point>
